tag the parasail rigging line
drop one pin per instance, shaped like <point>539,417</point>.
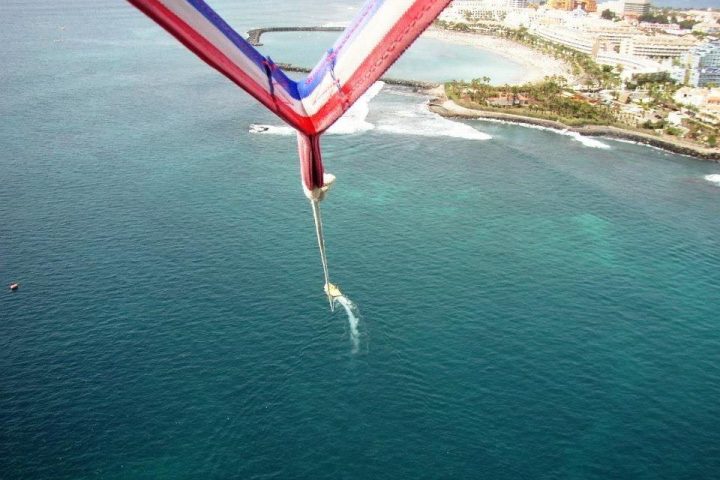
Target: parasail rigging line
<point>315,204</point>
<point>379,34</point>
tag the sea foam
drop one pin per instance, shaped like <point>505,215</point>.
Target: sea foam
<point>418,120</point>
<point>585,140</point>
<point>353,121</point>
<point>713,178</point>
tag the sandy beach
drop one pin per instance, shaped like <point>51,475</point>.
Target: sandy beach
<point>537,64</point>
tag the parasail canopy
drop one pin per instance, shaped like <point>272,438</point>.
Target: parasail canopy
<point>379,34</point>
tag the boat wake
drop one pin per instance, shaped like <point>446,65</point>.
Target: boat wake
<point>353,315</point>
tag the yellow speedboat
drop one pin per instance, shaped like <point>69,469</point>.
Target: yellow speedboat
<point>332,290</point>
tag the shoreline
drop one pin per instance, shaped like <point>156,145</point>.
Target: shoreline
<point>449,109</point>
<point>537,65</point>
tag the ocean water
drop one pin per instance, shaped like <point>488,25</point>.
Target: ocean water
<point>428,59</point>
<point>530,304</point>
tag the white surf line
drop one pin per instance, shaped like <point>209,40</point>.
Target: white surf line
<point>713,178</point>
<point>411,120</point>
<point>352,121</point>
<point>585,140</point>
<point>420,120</point>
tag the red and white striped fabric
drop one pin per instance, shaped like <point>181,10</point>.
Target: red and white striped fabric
<point>379,34</point>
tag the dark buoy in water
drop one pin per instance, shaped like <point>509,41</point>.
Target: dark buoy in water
<point>14,286</point>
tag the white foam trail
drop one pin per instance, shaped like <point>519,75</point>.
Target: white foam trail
<point>352,121</point>
<point>353,319</point>
<point>713,178</point>
<point>421,121</point>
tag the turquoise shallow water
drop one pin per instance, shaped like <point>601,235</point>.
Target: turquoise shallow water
<point>428,59</point>
<point>530,307</point>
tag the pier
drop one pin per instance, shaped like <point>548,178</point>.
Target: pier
<point>416,84</point>
<point>255,34</point>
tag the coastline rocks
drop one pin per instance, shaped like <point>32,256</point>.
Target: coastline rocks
<point>439,106</point>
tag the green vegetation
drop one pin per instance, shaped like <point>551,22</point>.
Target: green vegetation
<point>553,99</point>
<point>655,18</point>
<point>546,99</point>
<point>642,79</point>
<point>608,14</point>
<point>660,88</point>
<point>456,27</point>
<point>701,132</point>
<point>687,24</point>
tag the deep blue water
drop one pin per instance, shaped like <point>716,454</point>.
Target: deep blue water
<point>530,307</point>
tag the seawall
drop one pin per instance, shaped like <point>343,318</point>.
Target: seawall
<point>438,106</point>
<point>416,84</point>
<point>255,34</point>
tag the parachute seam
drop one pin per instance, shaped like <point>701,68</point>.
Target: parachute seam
<point>368,8</point>
<point>395,42</point>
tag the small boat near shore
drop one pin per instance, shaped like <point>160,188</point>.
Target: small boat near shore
<point>14,286</point>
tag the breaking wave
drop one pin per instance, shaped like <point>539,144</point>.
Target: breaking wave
<point>414,120</point>
<point>713,178</point>
<point>352,121</point>
<point>421,121</point>
<point>585,140</point>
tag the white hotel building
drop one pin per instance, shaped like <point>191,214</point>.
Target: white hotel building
<point>458,9</point>
<point>610,43</point>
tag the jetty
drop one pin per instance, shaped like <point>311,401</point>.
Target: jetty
<point>255,34</point>
<point>415,84</point>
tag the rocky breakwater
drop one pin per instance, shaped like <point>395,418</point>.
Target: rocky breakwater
<point>255,35</point>
<point>418,85</point>
<point>450,109</point>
